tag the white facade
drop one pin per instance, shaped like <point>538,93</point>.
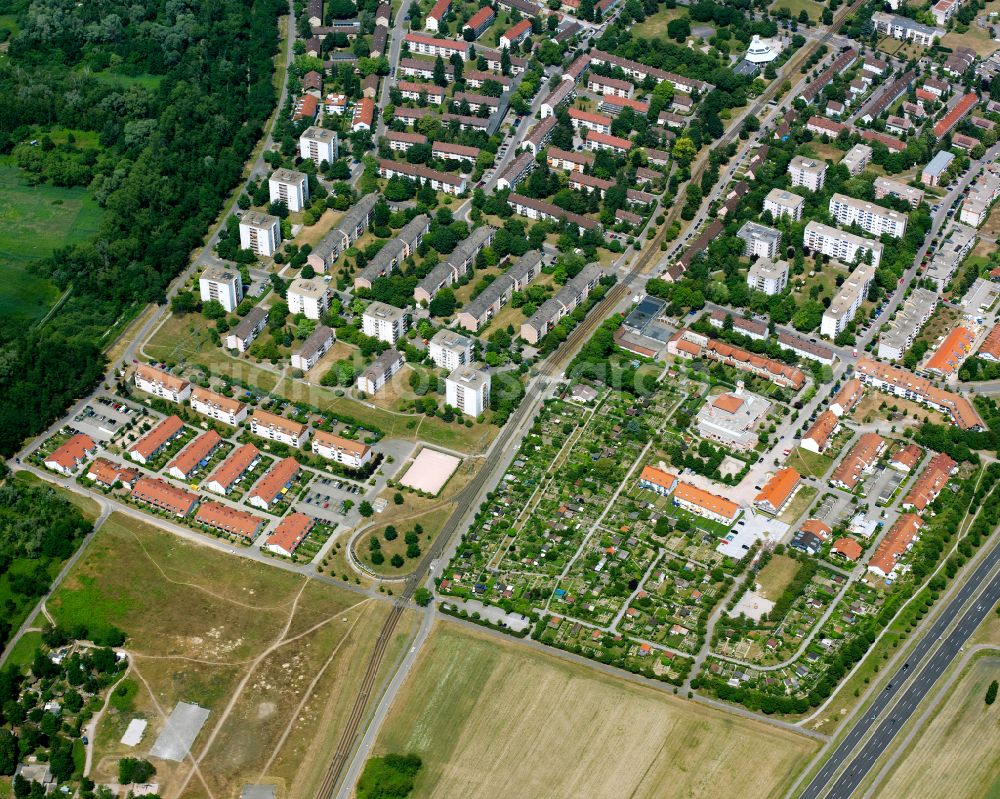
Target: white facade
<point>807,172</point>
<point>221,285</point>
<point>318,145</point>
<point>857,158</point>
<point>289,187</point>
<point>768,276</point>
<point>874,219</point>
<point>161,384</point>
<point>308,296</point>
<point>260,233</point>
<point>759,240</point>
<point>450,350</point>
<point>384,322</point>
<point>277,428</point>
<point>839,244</point>
<point>351,454</point>
<point>847,302</point>
<point>467,390</point>
<point>784,203</point>
<point>215,406</point>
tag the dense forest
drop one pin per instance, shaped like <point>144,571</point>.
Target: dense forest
<point>38,529</point>
<point>177,93</point>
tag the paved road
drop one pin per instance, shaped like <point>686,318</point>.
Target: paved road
<point>910,684</point>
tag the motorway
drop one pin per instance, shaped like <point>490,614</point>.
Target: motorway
<point>910,684</point>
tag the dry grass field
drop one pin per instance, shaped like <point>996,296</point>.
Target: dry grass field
<point>953,756</point>
<point>276,659</point>
<point>776,575</point>
<point>494,719</point>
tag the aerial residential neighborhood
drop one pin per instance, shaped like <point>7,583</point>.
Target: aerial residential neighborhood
<point>450,398</point>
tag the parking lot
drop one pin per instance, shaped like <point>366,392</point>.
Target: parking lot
<point>326,496</point>
<point>104,417</point>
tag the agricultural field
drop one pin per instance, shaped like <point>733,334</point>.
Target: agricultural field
<point>948,755</point>
<point>493,718</point>
<point>275,658</point>
<point>37,220</point>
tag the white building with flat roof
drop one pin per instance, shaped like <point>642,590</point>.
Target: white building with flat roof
<point>289,187</point>
<point>309,296</point>
<point>260,233</point>
<point>839,244</point>
<point>450,350</point>
<point>222,285</point>
<point>807,172</point>
<point>887,187</point>
<point>910,319</point>
<point>731,419</point>
<point>848,300</point>
<point>384,322</point>
<point>857,158</point>
<point>767,276</point>
<point>871,218</point>
<point>468,390</point>
<point>784,203</point>
<point>318,145</point>
<point>760,240</point>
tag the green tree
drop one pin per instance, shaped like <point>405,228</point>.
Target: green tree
<point>422,597</point>
<point>684,150</point>
<point>991,692</point>
<point>366,510</point>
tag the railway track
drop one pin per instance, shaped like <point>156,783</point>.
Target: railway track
<point>551,367</point>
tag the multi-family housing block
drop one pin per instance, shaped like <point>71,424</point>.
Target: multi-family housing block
<point>289,187</point>
<point>839,244</point>
<point>872,218</point>
<point>847,301</point>
<point>161,384</point>
<point>264,424</point>
<point>467,390</point>
<point>384,322</point>
<point>217,406</point>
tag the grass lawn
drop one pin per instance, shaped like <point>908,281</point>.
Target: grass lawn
<point>776,575</point>
<point>198,620</point>
<point>36,221</point>
<point>490,717</point>
<point>794,509</point>
<point>809,463</point>
<point>949,757</point>
<point>813,9</point>
<point>431,521</point>
<point>655,26</point>
<point>151,82</point>
<point>24,650</point>
<point>975,38</point>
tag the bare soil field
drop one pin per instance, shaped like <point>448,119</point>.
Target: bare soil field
<point>776,575</point>
<point>952,756</point>
<point>493,718</point>
<point>275,658</point>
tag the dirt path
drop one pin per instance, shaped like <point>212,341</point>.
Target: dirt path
<point>91,729</point>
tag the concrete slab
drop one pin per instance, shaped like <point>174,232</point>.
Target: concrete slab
<point>134,732</point>
<point>430,470</point>
<point>183,726</point>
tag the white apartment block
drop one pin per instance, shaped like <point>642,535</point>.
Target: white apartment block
<point>906,29</point>
<point>768,276</point>
<point>845,247</point>
<point>352,454</point>
<point>260,233</point>
<point>847,302</point>
<point>313,348</point>
<point>450,350</point>
<point>807,172</point>
<point>308,296</point>
<point>759,240</point>
<point>857,158</point>
<point>380,371</point>
<point>222,285</point>
<point>216,406</point>
<point>161,384</point>
<point>886,187</point>
<point>278,428</point>
<point>384,322</point>
<point>289,187</point>
<point>784,203</point>
<point>871,218</point>
<point>467,390</point>
<point>318,145</point>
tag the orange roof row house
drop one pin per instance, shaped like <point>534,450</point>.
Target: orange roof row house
<point>990,348</point>
<point>229,520</point>
<point>778,490</point>
<point>232,468</point>
<point>188,459</point>
<point>848,397</point>
<point>291,532</point>
<point>899,538</point>
<point>156,439</point>
<point>953,117</point>
<point>927,487</point>
<point>847,548</point>
<point>859,460</point>
<point>160,494</point>
<point>698,500</point>
<point>107,473</point>
<point>74,451</point>
<point>817,437</point>
<point>273,484</point>
<point>658,479</point>
<point>779,372</point>
<point>953,351</point>
<point>907,458</point>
